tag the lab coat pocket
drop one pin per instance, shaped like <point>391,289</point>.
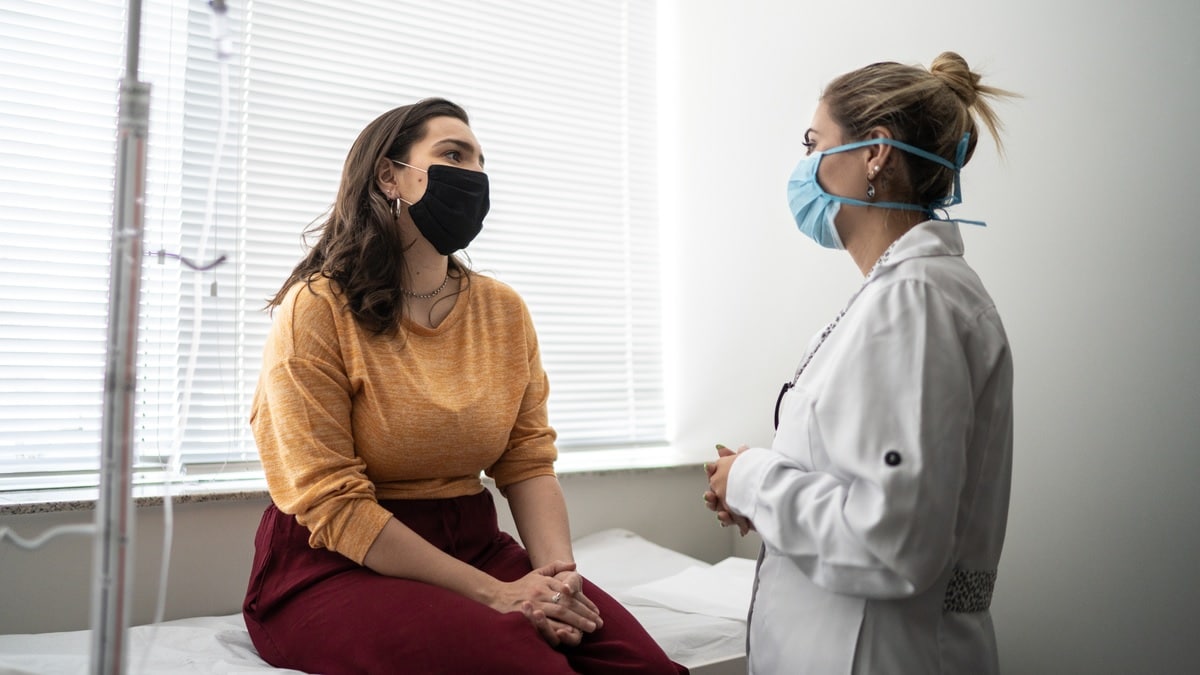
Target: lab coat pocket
<point>797,437</point>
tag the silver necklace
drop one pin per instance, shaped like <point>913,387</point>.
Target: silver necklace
<point>426,296</point>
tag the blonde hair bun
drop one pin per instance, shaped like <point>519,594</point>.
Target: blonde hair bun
<point>953,70</point>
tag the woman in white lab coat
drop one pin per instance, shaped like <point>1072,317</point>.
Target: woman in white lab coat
<point>883,499</point>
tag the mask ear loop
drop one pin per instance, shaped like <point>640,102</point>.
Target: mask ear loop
<point>399,200</point>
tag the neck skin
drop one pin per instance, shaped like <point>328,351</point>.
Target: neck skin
<point>425,268</point>
<point>868,231</point>
<point>424,271</point>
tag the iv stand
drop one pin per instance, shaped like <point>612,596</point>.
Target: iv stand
<point>111,592</point>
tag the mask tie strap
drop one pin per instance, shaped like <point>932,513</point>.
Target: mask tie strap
<point>876,141</point>
<point>945,217</point>
<point>960,157</point>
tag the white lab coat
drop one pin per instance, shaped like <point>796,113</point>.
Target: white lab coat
<point>891,467</point>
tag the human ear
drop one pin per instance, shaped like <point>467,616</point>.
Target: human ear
<point>386,178</point>
<point>878,155</point>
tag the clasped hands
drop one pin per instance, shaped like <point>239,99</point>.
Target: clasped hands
<point>718,480</point>
<point>551,598</point>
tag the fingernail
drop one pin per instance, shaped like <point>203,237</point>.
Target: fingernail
<point>721,447</point>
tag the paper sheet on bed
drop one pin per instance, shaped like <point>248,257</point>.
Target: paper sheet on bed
<point>719,590</point>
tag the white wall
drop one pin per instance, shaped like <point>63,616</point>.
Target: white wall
<point>1091,255</point>
<point>50,589</point>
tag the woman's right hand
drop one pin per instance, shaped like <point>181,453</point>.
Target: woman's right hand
<point>715,502</point>
<point>549,604</point>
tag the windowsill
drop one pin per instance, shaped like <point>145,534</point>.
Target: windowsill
<point>193,491</point>
<point>627,459</point>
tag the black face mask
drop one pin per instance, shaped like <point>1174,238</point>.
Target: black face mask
<point>451,212</point>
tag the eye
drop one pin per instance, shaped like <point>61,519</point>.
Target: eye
<point>453,155</point>
<point>809,144</point>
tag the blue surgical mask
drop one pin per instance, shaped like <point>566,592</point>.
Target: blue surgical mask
<point>815,209</point>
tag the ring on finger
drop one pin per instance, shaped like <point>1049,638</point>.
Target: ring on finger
<point>556,597</point>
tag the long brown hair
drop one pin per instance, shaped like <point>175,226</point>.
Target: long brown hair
<point>359,244</point>
<point>929,109</point>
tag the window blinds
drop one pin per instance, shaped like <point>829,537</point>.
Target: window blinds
<point>561,96</point>
<point>58,106</point>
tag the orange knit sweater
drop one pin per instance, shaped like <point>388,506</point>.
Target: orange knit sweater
<point>343,417</point>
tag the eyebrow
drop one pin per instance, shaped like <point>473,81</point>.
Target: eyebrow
<point>462,145</point>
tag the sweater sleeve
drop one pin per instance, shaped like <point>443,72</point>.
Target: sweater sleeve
<point>893,417</point>
<point>301,423</point>
<point>531,450</point>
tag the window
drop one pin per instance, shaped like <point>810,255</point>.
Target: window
<point>561,94</point>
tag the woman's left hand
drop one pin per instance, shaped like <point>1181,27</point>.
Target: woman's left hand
<point>569,635</point>
<point>572,598</point>
<point>574,582</point>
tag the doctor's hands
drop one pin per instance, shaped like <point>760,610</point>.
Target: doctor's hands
<point>718,479</point>
<point>551,598</point>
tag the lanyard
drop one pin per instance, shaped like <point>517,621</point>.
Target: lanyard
<point>829,329</point>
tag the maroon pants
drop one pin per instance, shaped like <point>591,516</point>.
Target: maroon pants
<point>317,611</point>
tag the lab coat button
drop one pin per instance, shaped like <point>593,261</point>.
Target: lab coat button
<point>892,458</point>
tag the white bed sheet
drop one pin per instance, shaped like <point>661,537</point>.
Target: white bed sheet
<point>622,563</point>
